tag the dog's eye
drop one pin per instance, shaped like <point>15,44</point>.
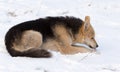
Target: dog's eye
<point>92,38</point>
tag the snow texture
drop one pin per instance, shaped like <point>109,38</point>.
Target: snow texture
<point>104,18</point>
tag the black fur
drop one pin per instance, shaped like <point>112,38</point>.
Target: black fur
<point>42,25</point>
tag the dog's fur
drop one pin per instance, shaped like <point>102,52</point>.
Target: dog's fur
<point>34,38</point>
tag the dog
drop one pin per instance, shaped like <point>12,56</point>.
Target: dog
<point>35,38</point>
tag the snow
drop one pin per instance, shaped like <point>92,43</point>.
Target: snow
<point>104,18</point>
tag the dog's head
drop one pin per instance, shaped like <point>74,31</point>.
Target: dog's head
<point>86,34</point>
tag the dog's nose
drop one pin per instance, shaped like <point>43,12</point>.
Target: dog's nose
<point>97,46</point>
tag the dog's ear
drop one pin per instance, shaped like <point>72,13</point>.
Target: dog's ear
<point>86,22</point>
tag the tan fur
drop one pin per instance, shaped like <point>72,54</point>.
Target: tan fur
<point>30,39</point>
<point>63,39</point>
<point>64,42</point>
<point>89,34</point>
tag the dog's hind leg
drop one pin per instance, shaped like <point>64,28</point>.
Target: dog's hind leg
<point>29,45</point>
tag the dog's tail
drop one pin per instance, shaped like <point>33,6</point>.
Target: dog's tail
<point>34,53</point>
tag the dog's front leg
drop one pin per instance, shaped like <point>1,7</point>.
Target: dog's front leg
<point>65,42</point>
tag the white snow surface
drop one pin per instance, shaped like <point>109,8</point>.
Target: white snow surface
<point>105,18</point>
